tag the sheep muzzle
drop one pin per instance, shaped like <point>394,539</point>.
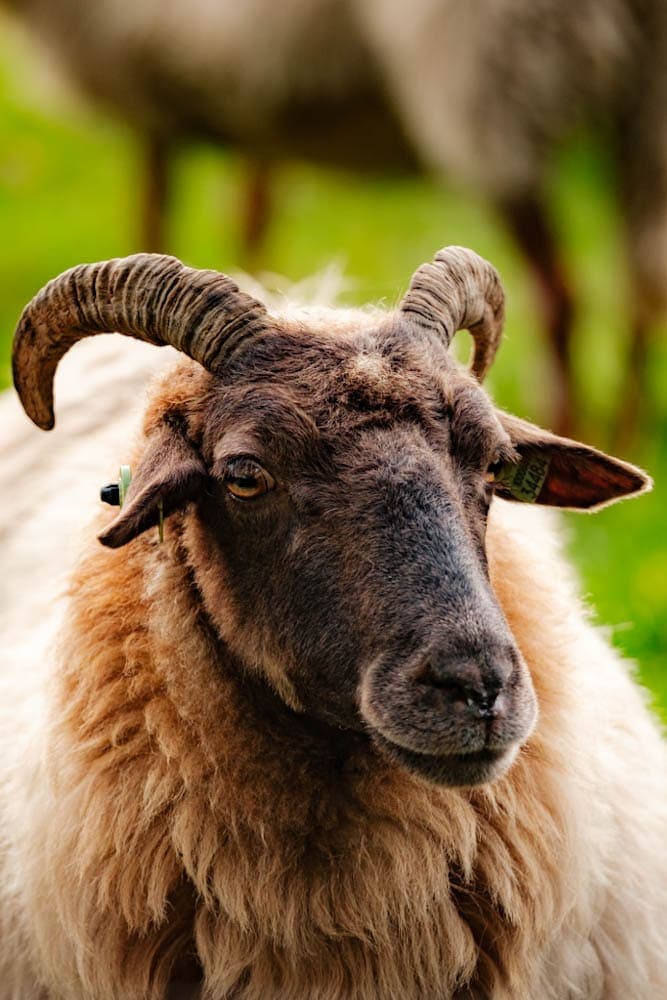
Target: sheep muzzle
<point>456,713</point>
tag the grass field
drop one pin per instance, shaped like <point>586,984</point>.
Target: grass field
<point>68,181</point>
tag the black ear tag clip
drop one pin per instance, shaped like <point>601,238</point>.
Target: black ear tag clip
<point>114,494</point>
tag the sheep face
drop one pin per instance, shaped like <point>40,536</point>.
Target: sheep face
<point>341,490</point>
<point>359,566</point>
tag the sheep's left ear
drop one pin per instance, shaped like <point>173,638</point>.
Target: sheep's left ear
<point>562,473</point>
<point>170,471</point>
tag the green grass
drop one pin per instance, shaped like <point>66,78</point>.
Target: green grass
<point>68,181</point>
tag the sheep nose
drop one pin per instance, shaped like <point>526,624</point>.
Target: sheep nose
<point>475,684</point>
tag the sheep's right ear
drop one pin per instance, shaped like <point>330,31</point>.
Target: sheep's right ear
<point>170,471</point>
<point>558,472</point>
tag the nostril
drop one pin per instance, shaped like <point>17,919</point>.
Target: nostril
<point>461,684</point>
<point>453,688</point>
<point>454,692</point>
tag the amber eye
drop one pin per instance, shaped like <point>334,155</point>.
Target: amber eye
<point>247,480</point>
<point>493,470</point>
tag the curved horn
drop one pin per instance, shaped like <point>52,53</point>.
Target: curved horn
<point>459,290</point>
<point>151,297</point>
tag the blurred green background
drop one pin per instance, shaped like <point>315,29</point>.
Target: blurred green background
<point>69,193</point>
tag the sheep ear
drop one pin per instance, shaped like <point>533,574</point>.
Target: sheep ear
<point>170,471</point>
<point>562,473</point>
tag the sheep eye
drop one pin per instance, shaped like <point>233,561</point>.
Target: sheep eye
<point>493,470</point>
<point>246,480</point>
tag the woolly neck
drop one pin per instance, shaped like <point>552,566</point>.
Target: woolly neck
<point>204,817</point>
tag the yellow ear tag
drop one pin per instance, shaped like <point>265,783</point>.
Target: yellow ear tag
<point>525,480</point>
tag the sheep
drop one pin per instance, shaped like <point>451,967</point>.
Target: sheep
<point>177,72</point>
<point>346,731</point>
<point>483,93</point>
<point>489,91</point>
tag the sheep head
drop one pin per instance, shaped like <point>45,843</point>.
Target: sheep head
<point>334,481</point>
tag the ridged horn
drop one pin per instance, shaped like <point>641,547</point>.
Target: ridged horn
<point>459,290</point>
<point>151,297</point>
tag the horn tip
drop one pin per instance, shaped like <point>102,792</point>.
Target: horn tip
<point>35,394</point>
<point>44,423</point>
<point>39,411</point>
<point>38,408</point>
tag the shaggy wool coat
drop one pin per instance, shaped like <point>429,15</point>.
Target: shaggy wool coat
<point>148,815</point>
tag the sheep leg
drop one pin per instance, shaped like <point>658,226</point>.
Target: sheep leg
<point>648,306</point>
<point>633,412</point>
<point>155,194</point>
<point>527,221</point>
<point>644,206</point>
<point>641,160</point>
<point>256,208</point>
<point>636,374</point>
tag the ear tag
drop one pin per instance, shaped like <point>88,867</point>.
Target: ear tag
<point>525,480</point>
<point>114,493</point>
<point>124,480</point>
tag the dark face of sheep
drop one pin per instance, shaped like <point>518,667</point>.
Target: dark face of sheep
<point>346,509</point>
<point>337,491</point>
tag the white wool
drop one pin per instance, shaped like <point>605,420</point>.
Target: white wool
<point>51,482</point>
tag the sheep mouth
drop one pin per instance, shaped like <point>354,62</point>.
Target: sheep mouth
<point>452,770</point>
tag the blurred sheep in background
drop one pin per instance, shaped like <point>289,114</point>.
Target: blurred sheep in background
<point>483,93</point>
<point>293,80</point>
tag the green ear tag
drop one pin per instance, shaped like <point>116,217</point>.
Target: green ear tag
<point>124,480</point>
<point>525,480</point>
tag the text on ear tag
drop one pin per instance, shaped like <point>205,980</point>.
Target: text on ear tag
<point>525,480</point>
